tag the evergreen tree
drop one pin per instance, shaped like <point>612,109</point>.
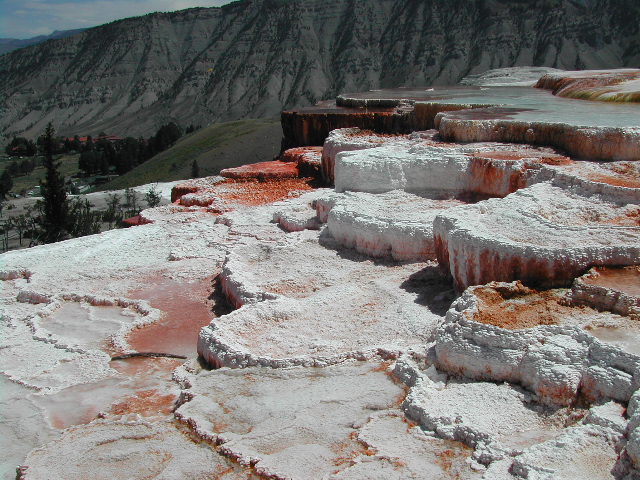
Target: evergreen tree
<point>195,169</point>
<point>55,206</point>
<point>82,219</point>
<point>6,184</point>
<point>114,214</point>
<point>75,144</point>
<point>14,169</point>
<point>88,145</point>
<point>153,197</point>
<point>27,166</point>
<point>87,162</point>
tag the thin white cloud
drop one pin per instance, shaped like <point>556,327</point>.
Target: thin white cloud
<point>33,17</point>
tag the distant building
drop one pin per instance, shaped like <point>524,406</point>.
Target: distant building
<point>109,138</point>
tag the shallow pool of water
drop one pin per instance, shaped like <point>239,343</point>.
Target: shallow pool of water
<point>521,104</point>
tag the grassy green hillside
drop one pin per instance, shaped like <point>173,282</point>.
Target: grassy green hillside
<point>215,147</point>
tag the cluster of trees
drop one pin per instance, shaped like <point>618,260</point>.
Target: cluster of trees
<point>103,156</point>
<point>80,218</point>
<point>54,217</point>
<point>21,146</point>
<point>24,147</point>
<point>15,169</point>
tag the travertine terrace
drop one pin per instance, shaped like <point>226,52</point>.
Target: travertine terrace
<point>460,300</point>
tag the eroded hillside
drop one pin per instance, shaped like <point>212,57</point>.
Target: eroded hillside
<point>448,309</point>
<point>252,58</point>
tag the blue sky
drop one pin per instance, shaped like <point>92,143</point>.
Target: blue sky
<point>28,18</point>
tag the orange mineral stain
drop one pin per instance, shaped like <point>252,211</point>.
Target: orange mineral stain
<point>624,279</point>
<point>185,309</point>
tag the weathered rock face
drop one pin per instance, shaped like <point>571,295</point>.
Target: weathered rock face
<point>311,125</point>
<point>252,58</point>
<point>519,237</point>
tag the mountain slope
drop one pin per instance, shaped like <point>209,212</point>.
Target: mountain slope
<point>252,58</point>
<point>10,44</point>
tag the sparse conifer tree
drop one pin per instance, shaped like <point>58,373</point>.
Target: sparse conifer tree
<point>55,207</point>
<point>6,184</point>
<point>195,169</point>
<point>153,197</point>
<point>131,201</point>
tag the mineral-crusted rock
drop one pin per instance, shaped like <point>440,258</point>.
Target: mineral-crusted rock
<point>308,159</point>
<point>457,410</point>
<point>267,222</point>
<point>388,168</point>
<point>633,430</point>
<point>261,417</point>
<point>312,125</point>
<point>514,306</point>
<point>116,448</point>
<point>422,165</point>
<point>543,235</point>
<point>395,224</point>
<point>23,427</point>
<point>586,142</point>
<point>325,203</point>
<point>350,139</point>
<point>286,315</point>
<point>135,221</point>
<point>518,115</point>
<point>609,415</point>
<point>181,190</point>
<point>236,282</point>
<point>193,186</point>
<point>295,220</point>
<point>263,171</point>
<point>397,449</point>
<point>619,179</point>
<point>297,154</point>
<point>306,306</point>
<point>263,184</point>
<point>55,356</point>
<point>614,289</point>
<point>584,451</point>
<point>517,436</point>
<point>557,362</point>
